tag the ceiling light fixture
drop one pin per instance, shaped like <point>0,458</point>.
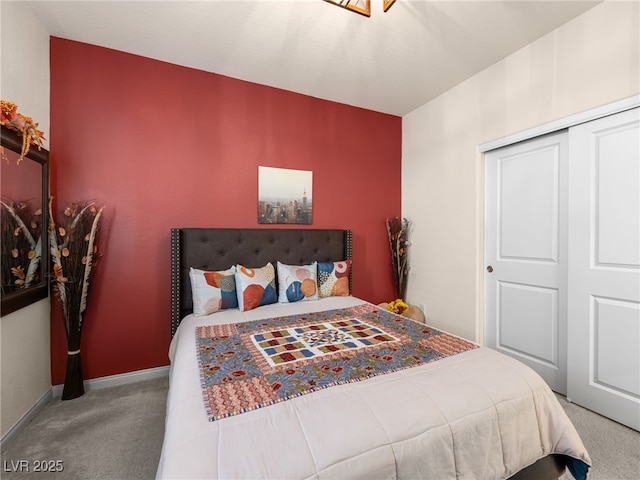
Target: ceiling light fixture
<point>386,4</point>
<point>362,7</point>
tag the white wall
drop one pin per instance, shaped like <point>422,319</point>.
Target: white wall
<point>591,61</point>
<point>25,365</point>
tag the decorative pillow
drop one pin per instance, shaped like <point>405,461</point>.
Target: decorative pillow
<point>212,291</point>
<point>297,283</point>
<point>333,279</point>
<point>255,286</point>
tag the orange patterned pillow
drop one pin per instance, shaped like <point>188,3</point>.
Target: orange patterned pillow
<point>255,286</point>
<point>297,283</point>
<point>333,279</point>
<point>212,291</point>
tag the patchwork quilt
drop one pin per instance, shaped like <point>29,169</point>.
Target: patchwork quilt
<point>249,365</point>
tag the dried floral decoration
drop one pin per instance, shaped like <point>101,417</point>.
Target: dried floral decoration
<point>398,230</point>
<point>74,253</point>
<point>21,245</point>
<point>25,126</point>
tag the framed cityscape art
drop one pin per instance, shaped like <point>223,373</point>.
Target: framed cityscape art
<point>285,195</point>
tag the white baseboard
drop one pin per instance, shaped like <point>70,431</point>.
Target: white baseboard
<point>120,379</point>
<point>93,384</point>
<point>26,418</point>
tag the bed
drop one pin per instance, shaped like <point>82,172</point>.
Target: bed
<point>470,413</point>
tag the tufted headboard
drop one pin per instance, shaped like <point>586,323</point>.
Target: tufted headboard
<point>220,248</point>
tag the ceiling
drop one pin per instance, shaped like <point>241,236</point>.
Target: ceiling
<point>390,62</point>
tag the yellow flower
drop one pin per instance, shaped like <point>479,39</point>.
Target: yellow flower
<point>397,306</point>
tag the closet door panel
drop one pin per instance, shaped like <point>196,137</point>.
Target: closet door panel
<point>615,183</point>
<point>525,254</point>
<point>604,267</point>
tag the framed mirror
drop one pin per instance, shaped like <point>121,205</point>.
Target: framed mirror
<point>24,247</point>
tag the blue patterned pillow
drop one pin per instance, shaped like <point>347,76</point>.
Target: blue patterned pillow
<point>255,286</point>
<point>333,279</point>
<point>212,291</point>
<point>297,283</point>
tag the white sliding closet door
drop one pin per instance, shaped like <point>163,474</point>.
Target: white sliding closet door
<point>525,254</point>
<point>562,252</point>
<point>604,267</point>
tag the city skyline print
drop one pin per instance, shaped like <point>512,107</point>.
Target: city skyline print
<point>285,195</point>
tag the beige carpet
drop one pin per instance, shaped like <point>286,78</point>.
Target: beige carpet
<point>614,448</point>
<point>112,433</point>
<point>116,434</point>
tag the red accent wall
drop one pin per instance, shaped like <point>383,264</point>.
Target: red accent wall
<point>167,146</point>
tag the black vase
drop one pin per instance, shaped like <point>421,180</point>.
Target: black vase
<point>73,380</point>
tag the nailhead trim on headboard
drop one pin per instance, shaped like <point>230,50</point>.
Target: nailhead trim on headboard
<point>220,248</point>
<point>175,280</point>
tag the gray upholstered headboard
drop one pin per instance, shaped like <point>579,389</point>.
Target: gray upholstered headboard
<point>220,248</point>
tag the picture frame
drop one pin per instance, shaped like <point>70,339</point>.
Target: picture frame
<point>285,196</point>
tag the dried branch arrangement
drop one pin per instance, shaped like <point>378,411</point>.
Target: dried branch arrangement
<point>21,245</point>
<point>398,230</point>
<point>74,253</point>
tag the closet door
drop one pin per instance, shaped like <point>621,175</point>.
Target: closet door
<point>525,254</point>
<point>604,267</point>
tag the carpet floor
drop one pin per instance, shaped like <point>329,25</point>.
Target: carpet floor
<point>112,433</point>
<point>116,434</point>
<point>614,449</point>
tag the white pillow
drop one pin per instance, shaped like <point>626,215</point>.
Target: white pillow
<point>297,283</point>
<point>255,286</point>
<point>212,291</point>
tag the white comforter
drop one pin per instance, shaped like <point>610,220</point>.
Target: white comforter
<point>478,414</point>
